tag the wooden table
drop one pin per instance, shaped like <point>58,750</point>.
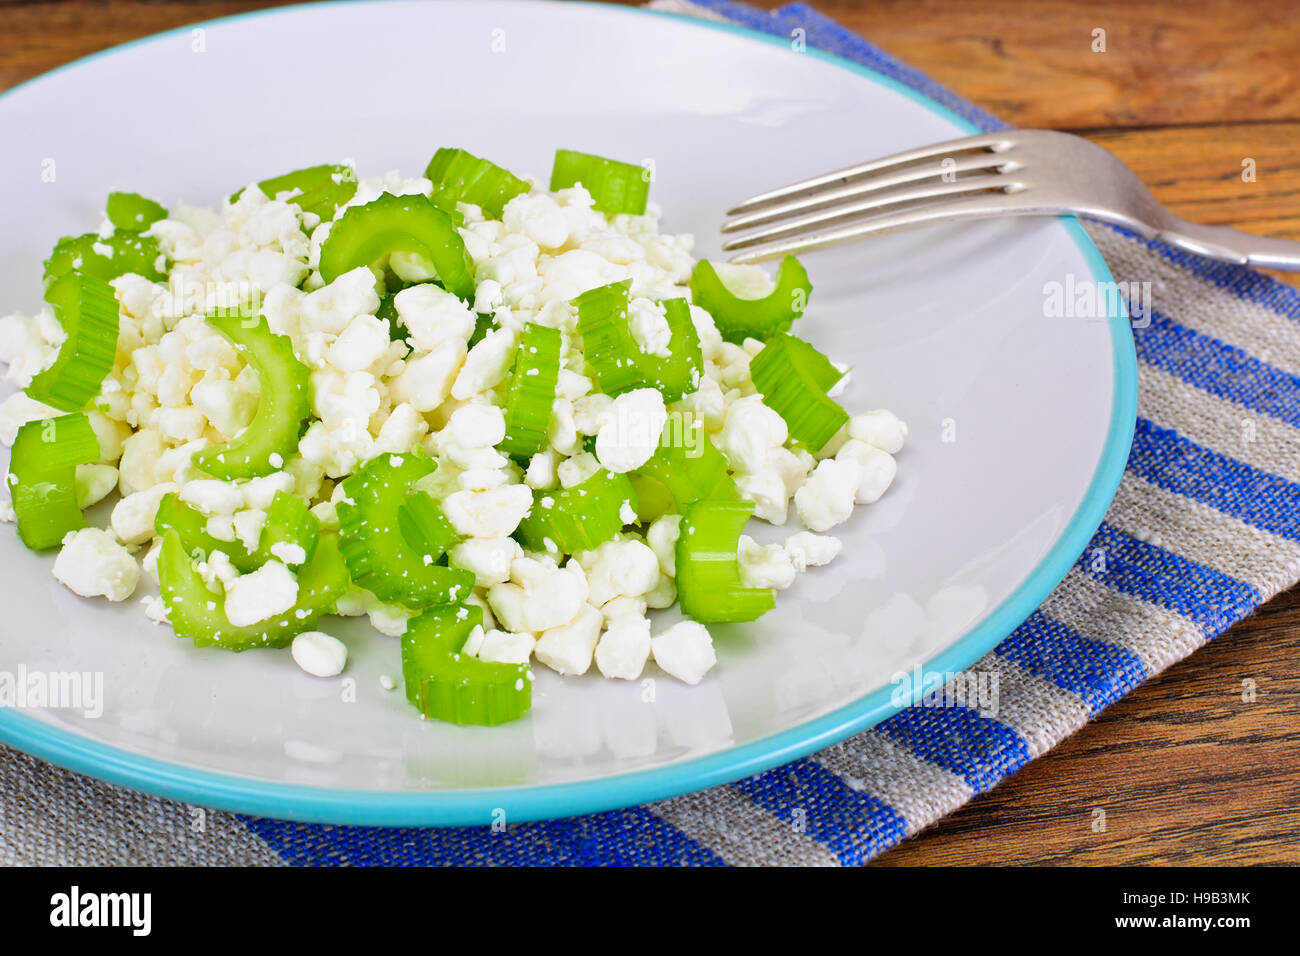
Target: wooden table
<point>1186,771</point>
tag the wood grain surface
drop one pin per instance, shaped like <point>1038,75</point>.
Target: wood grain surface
<point>1184,769</point>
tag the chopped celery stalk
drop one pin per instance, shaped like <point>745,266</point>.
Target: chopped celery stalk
<point>105,258</point>
<point>288,522</point>
<point>446,684</point>
<point>708,570</point>
<point>680,372</point>
<point>190,526</point>
<point>579,518</point>
<point>290,526</point>
<point>615,187</point>
<point>739,319</point>
<point>607,340</point>
<point>283,403</point>
<point>689,467</point>
<point>131,212</point>
<point>317,189</point>
<point>458,176</point>
<point>793,378</point>
<point>87,309</point>
<point>653,500</point>
<point>531,392</point>
<point>483,324</point>
<point>199,614</point>
<point>366,235</point>
<point>42,477</point>
<point>390,550</point>
<point>617,360</point>
<point>424,525</point>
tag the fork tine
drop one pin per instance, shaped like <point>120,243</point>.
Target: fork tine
<point>864,187</point>
<point>872,202</point>
<point>957,210</point>
<point>994,142</point>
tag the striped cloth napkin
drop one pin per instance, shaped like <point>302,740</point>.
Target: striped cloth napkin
<point>1204,528</point>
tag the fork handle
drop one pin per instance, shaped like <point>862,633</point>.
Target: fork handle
<point>1232,245</point>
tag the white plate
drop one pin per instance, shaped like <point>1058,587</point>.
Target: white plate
<point>945,327</point>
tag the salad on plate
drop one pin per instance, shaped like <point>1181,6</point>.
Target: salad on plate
<point>503,422</point>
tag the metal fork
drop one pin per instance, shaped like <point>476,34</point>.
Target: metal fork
<point>1029,172</point>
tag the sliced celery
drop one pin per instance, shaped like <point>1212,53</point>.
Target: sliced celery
<point>385,535</point>
<point>447,684</point>
<point>458,176</point>
<point>283,404</point>
<point>531,393</point>
<point>708,570</point>
<point>738,319</point>
<point>615,187</point>
<point>579,518</point>
<point>42,477</point>
<point>793,378</point>
<point>88,311</point>
<point>366,235</point>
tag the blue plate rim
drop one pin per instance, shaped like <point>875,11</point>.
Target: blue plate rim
<point>548,801</point>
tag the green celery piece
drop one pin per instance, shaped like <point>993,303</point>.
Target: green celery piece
<point>190,526</point>
<point>283,405</point>
<point>364,235</point>
<point>616,359</point>
<point>793,378</point>
<point>578,518</point>
<point>708,571</point>
<point>446,684</point>
<point>531,392</point>
<point>288,521</point>
<point>607,340</point>
<point>42,477</point>
<point>738,319</point>
<point>458,176</point>
<point>105,258</point>
<point>680,372</point>
<point>653,499</point>
<point>198,614</point>
<point>615,187</point>
<point>375,537</point>
<point>689,467</point>
<point>87,309</point>
<point>131,212</point>
<point>317,189</point>
<point>483,324</point>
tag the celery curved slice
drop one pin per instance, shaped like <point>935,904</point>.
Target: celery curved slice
<point>738,319</point>
<point>615,187</point>
<point>689,467</point>
<point>460,176</point>
<point>88,311</point>
<point>283,403</point>
<point>793,378</point>
<point>447,684</point>
<point>392,550</point>
<point>581,517</point>
<point>319,190</point>
<point>708,571</point>
<point>105,258</point>
<point>365,235</point>
<point>617,360</point>
<point>42,477</point>
<point>198,614</point>
<point>531,393</point>
<point>131,212</point>
<point>288,522</point>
